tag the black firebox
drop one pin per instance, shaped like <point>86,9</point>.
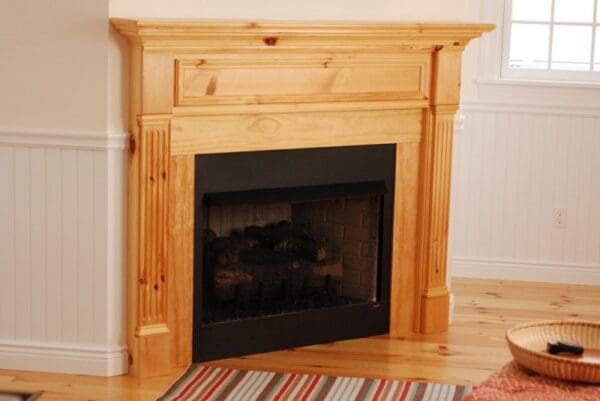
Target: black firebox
<point>291,248</point>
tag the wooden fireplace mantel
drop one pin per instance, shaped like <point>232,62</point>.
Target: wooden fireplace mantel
<point>201,87</point>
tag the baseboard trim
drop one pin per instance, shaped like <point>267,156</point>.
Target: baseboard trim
<point>69,139</point>
<point>523,270</point>
<point>64,358</point>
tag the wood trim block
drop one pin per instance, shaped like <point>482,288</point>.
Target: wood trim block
<point>153,147</point>
<point>435,312</point>
<point>181,258</point>
<point>404,241</point>
<point>323,78</point>
<point>255,132</point>
<point>434,210</point>
<point>147,226</point>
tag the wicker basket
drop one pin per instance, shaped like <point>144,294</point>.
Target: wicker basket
<point>527,343</point>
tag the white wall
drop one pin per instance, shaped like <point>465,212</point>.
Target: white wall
<point>526,149</point>
<point>61,192</point>
<point>512,169</point>
<point>53,71</point>
<point>293,10</point>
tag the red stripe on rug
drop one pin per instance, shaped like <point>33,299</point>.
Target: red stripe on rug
<point>311,388</point>
<point>285,386</point>
<point>286,395</point>
<point>379,390</point>
<point>191,383</point>
<point>421,388</point>
<point>459,393</point>
<point>232,385</point>
<point>386,389</point>
<point>364,390</point>
<point>301,388</point>
<point>405,390</point>
<point>217,384</point>
<point>398,390</point>
<point>201,387</point>
<point>329,382</point>
<point>269,387</point>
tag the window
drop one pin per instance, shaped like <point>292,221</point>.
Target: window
<point>552,39</point>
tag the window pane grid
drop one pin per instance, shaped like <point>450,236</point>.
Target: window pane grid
<point>571,32</point>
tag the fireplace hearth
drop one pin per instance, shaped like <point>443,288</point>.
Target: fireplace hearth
<point>288,253</point>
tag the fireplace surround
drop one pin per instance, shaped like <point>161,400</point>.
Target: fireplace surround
<point>289,253</point>
<point>200,88</point>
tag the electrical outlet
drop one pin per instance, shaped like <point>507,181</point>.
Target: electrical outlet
<point>559,218</point>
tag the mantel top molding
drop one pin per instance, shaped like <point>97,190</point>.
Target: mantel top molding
<point>210,33</point>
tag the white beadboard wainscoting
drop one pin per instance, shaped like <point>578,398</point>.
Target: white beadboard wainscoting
<point>62,270</point>
<point>514,165</point>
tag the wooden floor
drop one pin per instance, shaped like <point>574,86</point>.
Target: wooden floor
<point>473,348</point>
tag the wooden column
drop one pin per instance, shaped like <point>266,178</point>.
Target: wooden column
<point>434,208</point>
<point>148,223</point>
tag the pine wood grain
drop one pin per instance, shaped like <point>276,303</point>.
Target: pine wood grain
<point>199,87</point>
<point>181,259</point>
<point>469,352</point>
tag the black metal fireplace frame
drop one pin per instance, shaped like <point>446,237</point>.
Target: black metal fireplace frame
<point>255,172</point>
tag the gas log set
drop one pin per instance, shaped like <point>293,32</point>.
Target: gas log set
<point>263,270</point>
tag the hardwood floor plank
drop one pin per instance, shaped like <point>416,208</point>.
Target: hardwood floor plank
<point>468,353</point>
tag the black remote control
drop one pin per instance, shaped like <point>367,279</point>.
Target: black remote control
<point>559,347</point>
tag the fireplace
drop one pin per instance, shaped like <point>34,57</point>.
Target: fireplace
<point>203,92</point>
<point>289,253</point>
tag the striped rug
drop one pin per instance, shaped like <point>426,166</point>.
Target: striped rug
<point>202,383</point>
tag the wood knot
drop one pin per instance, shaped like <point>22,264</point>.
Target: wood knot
<point>156,287</point>
<point>131,144</point>
<point>164,175</point>
<point>438,48</point>
<point>265,125</point>
<point>212,86</point>
<point>142,281</point>
<point>270,41</point>
<point>152,178</point>
<point>162,278</point>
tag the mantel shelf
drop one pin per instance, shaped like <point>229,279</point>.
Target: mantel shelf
<point>181,32</point>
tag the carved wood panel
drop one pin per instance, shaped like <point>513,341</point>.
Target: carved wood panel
<point>282,79</point>
<point>153,147</point>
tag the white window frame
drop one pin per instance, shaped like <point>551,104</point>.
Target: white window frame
<point>540,74</point>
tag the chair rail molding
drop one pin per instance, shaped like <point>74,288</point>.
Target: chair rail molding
<point>69,139</point>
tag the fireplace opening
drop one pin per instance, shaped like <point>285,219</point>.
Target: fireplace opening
<point>317,249</point>
<point>292,248</point>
